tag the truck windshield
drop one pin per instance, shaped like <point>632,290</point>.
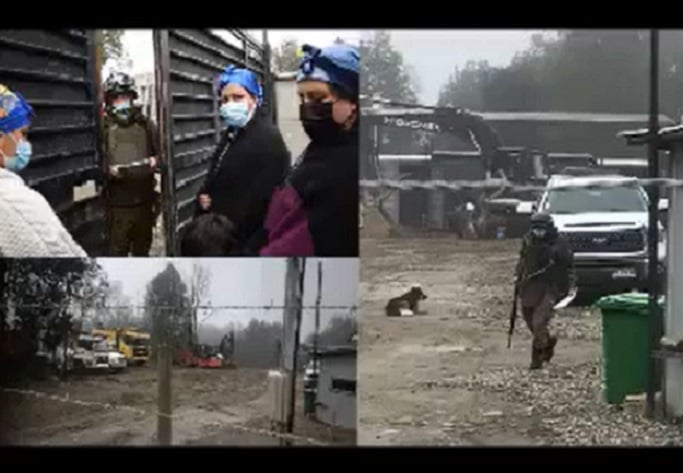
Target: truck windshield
<point>618,199</point>
<point>137,342</point>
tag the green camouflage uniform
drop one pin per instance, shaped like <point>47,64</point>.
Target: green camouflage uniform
<point>539,294</point>
<point>132,203</point>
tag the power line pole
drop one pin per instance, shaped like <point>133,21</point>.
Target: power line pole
<point>65,320</point>
<point>291,327</point>
<point>653,230</point>
<point>316,338</point>
<point>164,412</point>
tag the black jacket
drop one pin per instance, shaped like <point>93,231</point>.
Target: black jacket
<point>241,180</point>
<point>555,255</point>
<point>326,179</point>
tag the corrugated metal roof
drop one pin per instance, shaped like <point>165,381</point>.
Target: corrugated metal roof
<point>366,111</point>
<point>527,116</point>
<point>564,180</point>
<point>570,117</point>
<point>637,137</point>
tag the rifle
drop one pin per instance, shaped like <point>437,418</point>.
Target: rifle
<point>513,314</point>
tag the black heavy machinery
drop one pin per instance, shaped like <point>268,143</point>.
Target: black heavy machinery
<point>450,144</point>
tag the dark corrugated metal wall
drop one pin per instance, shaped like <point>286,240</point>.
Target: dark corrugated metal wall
<point>53,70</point>
<point>188,62</point>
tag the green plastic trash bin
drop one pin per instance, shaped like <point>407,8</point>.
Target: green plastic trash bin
<point>624,345</point>
<point>309,401</point>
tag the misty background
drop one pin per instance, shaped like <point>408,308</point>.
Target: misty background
<point>253,282</point>
<point>48,301</point>
<point>133,50</point>
<point>245,282</point>
<point>596,71</point>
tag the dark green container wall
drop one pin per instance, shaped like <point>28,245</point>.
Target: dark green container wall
<point>54,71</point>
<point>190,61</point>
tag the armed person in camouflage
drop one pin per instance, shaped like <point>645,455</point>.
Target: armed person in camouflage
<point>130,146</point>
<point>544,276</point>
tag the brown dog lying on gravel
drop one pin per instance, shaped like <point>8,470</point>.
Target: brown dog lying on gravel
<point>408,301</point>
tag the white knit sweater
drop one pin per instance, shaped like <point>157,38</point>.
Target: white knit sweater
<point>29,228</point>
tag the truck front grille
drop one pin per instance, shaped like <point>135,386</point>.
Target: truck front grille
<point>626,241</point>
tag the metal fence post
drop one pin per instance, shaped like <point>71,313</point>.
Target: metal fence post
<point>164,102</point>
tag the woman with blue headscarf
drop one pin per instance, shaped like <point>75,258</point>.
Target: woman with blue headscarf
<point>249,162</point>
<point>29,228</point>
<point>316,212</point>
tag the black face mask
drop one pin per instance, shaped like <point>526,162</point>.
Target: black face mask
<point>316,118</point>
<point>544,233</point>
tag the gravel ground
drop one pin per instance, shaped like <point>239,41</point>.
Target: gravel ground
<point>447,378</point>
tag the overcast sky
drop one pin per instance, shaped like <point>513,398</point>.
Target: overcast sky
<point>246,282</point>
<point>434,54</point>
<point>138,43</point>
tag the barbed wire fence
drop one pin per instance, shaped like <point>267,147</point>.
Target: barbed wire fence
<point>158,333</point>
<point>496,184</point>
<point>350,307</point>
<point>150,414</point>
<point>370,188</point>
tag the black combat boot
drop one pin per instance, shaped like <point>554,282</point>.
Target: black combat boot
<point>536,359</point>
<point>550,349</point>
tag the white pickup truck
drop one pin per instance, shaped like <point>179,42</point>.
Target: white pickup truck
<point>606,228</point>
<point>91,353</point>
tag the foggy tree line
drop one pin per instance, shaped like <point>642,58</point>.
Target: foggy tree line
<point>258,343</point>
<point>601,71</point>
<point>385,75</point>
<point>383,71</point>
<point>577,71</point>
<point>43,298</point>
<point>286,57</point>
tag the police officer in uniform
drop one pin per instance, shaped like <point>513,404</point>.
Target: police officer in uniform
<point>130,145</point>
<point>544,276</point>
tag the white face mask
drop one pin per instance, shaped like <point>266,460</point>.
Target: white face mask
<point>236,114</point>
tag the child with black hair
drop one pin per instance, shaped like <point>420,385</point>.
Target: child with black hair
<point>210,234</point>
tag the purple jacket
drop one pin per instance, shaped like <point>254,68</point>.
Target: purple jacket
<point>315,213</point>
<point>287,226</point>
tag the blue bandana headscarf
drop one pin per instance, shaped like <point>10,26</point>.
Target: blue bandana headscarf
<point>338,65</point>
<point>243,77</point>
<point>15,112</point>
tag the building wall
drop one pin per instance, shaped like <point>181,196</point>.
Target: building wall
<point>336,407</point>
<point>146,94</point>
<point>390,170</point>
<point>437,200</point>
<point>673,327</point>
<point>288,116</point>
